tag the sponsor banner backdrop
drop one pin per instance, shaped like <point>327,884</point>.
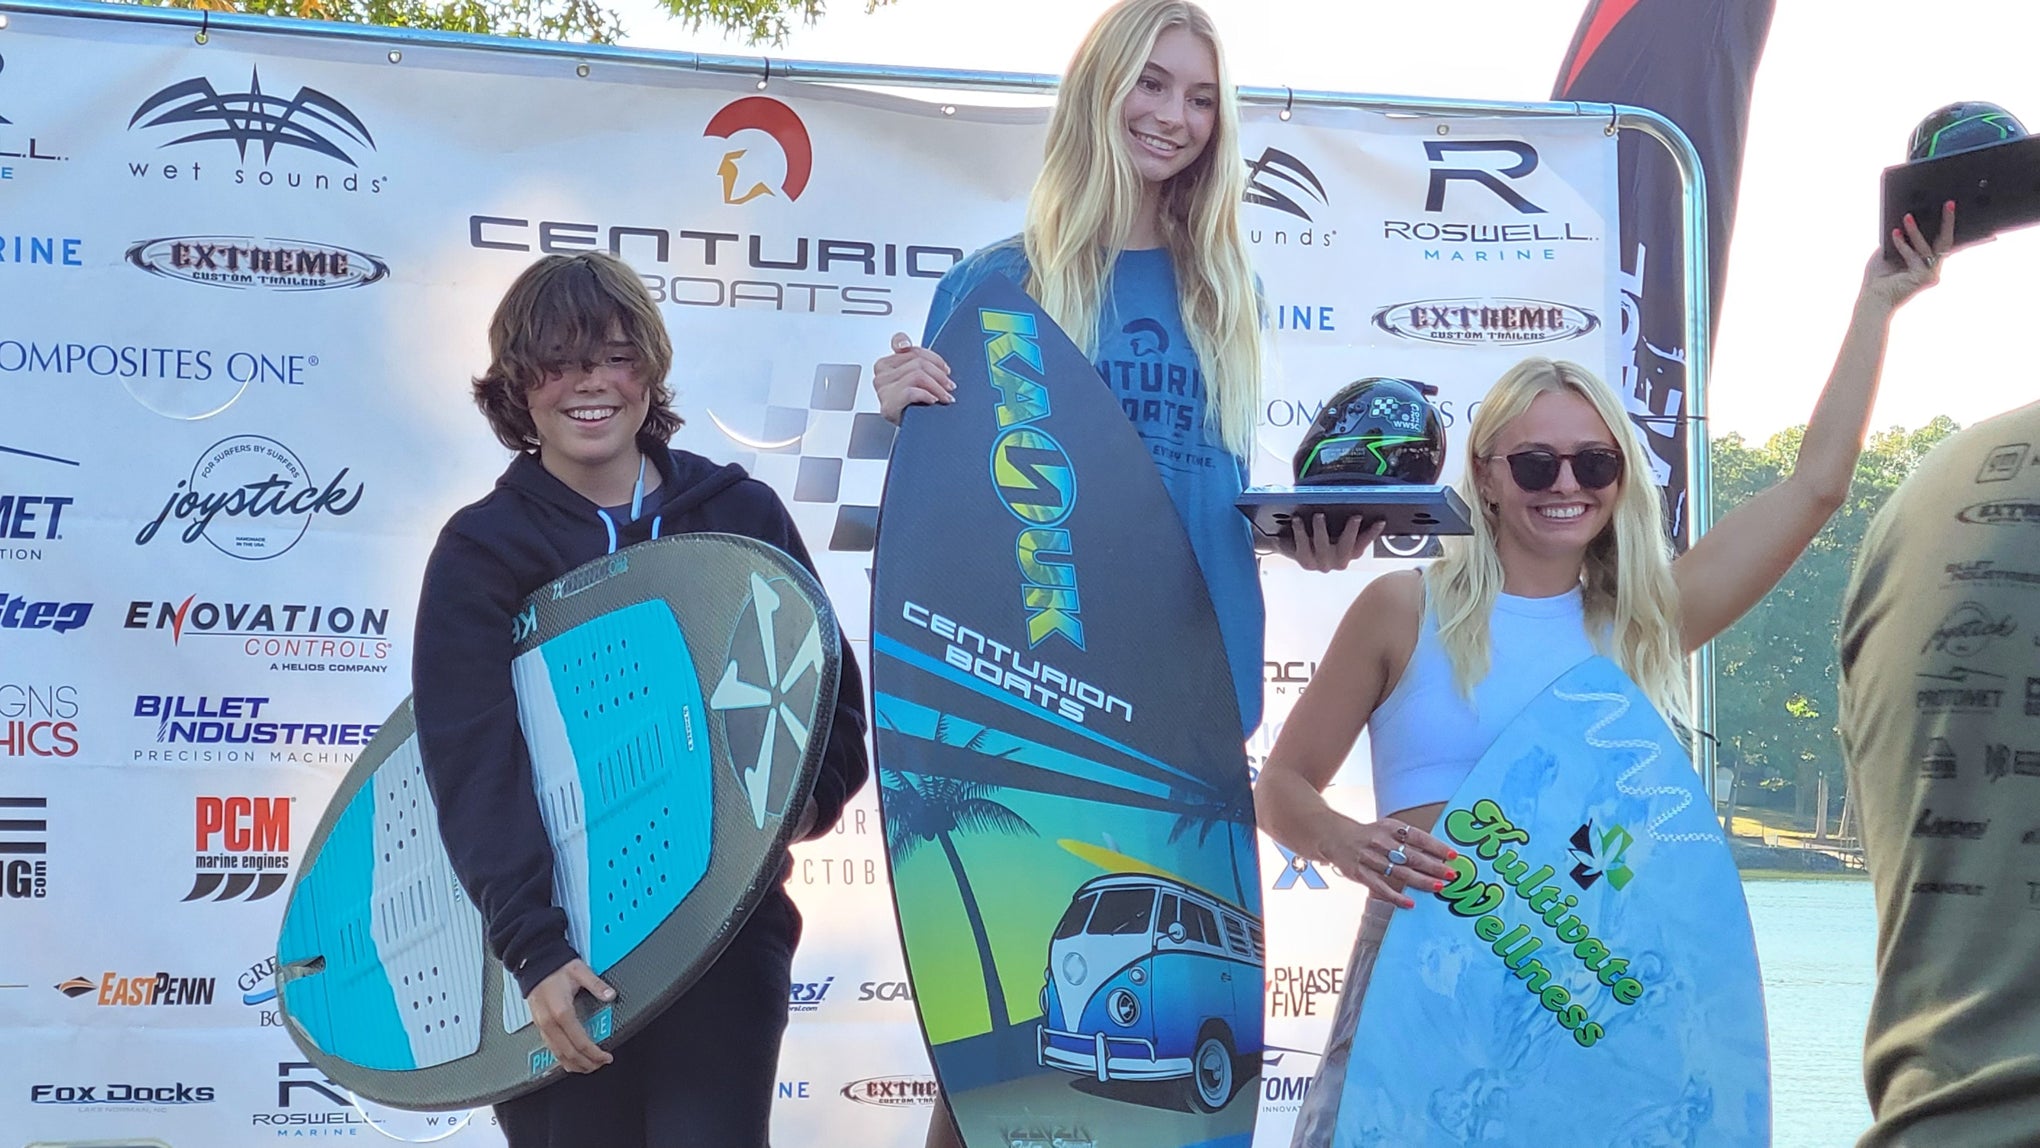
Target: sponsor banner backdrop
<point>248,283</point>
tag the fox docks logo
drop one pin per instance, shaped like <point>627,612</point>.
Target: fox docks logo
<point>1486,322</point>
<point>122,1097</point>
<point>243,848</point>
<point>24,845</point>
<point>149,990</point>
<point>239,263</point>
<point>308,142</point>
<point>38,720</point>
<point>251,498</point>
<point>773,268</point>
<point>290,636</point>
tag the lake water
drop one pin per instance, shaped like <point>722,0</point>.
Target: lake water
<point>1817,944</point>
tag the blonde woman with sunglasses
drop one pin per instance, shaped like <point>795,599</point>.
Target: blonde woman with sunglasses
<point>1567,559</point>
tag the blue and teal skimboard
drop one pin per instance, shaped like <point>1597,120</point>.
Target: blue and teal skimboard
<point>1590,977</point>
<point>676,698</point>
<point>1062,776</point>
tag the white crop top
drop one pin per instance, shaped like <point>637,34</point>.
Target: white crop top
<point>1426,737</point>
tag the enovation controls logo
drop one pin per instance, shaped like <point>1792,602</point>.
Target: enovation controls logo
<point>308,125</point>
<point>776,121</point>
<point>243,848</point>
<point>772,672</point>
<point>894,1091</point>
<point>1486,322</point>
<point>305,637</point>
<point>241,262</point>
<point>251,498</point>
<point>148,990</point>
<point>1281,181</point>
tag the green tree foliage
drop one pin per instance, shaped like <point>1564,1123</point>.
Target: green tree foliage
<point>579,21</point>
<point>1776,672</point>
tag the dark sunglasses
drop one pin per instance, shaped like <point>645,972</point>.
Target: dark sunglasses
<point>1593,468</point>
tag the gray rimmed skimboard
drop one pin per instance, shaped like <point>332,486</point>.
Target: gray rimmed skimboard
<point>1062,777</point>
<point>676,698</point>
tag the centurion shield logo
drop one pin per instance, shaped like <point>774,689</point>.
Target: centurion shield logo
<point>771,675</point>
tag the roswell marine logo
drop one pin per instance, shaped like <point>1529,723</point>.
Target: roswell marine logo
<point>772,675</point>
<point>311,120</point>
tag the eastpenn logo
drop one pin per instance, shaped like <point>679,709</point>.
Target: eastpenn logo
<point>242,262</point>
<point>1486,322</point>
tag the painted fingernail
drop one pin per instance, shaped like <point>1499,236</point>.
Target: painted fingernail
<point>1452,855</point>
<point>1439,887</point>
<point>1908,217</point>
<point>1408,903</point>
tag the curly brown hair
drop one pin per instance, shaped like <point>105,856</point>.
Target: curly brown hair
<point>561,310</point>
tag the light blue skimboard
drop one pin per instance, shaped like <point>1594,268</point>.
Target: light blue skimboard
<point>676,698</point>
<point>1630,1013</point>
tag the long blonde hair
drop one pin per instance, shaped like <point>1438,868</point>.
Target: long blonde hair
<point>1084,204</point>
<point>1631,602</point>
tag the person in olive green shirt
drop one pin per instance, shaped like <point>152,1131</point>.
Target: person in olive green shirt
<point>1940,724</point>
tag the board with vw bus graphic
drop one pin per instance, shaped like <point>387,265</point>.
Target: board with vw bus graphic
<point>1062,777</point>
<point>1589,976</point>
<point>676,697</point>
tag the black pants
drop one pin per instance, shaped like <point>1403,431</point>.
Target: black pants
<point>701,1075</point>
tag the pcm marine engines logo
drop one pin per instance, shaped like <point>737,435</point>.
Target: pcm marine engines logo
<point>243,846</point>
<point>776,120</point>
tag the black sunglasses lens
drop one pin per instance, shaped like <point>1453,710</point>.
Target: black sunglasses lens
<point>1595,469</point>
<point>1534,470</point>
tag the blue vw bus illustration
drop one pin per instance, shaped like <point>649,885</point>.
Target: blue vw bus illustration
<point>1150,979</point>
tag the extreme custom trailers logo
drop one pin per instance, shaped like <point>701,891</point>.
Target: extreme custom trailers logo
<point>242,262</point>
<point>1485,322</point>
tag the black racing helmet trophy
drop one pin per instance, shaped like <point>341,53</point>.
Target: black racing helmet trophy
<point>1375,449</point>
<point>1976,155</point>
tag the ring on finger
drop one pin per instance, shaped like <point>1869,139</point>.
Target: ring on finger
<point>1402,834</point>
<point>1390,871</point>
<point>1398,857</point>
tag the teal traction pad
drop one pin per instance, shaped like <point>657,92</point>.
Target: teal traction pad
<point>676,698</point>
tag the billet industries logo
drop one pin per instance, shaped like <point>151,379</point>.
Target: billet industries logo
<point>776,122</point>
<point>1486,322</point>
<point>24,848</point>
<point>233,728</point>
<point>250,497</point>
<point>310,125</point>
<point>894,1091</point>
<point>55,615</point>
<point>145,990</point>
<point>242,262</point>
<point>38,719</point>
<point>243,850</point>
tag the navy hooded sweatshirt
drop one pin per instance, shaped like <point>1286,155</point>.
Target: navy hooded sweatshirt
<point>531,529</point>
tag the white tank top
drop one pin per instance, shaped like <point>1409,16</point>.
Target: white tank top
<point>1426,736</point>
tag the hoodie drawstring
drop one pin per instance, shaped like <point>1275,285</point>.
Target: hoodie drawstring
<point>637,506</point>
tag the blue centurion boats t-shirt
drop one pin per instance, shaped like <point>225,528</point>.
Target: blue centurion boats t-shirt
<point>1146,358</point>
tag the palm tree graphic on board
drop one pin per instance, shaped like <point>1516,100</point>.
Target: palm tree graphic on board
<point>921,809</point>
<point>1232,809</point>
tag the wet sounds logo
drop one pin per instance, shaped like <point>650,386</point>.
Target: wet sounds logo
<point>311,127</point>
<point>240,263</point>
<point>1486,322</point>
<point>1283,182</point>
<point>776,122</point>
<point>251,498</point>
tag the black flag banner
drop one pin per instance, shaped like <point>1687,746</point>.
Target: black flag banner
<point>1692,61</point>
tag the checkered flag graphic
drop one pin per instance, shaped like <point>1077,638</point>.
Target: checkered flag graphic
<point>827,452</point>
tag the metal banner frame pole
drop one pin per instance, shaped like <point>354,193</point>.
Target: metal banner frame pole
<point>582,58</point>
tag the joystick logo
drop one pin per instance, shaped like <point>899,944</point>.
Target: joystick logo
<point>251,498</point>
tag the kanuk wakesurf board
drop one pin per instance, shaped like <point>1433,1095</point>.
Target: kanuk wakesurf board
<point>1063,781</point>
<point>676,699</point>
<point>1589,977</point>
